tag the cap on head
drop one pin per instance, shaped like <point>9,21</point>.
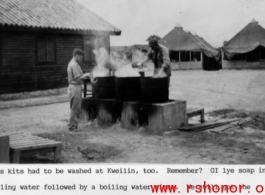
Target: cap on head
<point>78,51</point>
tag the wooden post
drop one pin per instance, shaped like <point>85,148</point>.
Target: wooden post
<point>201,59</point>
<point>57,153</point>
<point>179,61</point>
<point>4,149</point>
<point>85,87</point>
<point>15,156</point>
<point>222,57</point>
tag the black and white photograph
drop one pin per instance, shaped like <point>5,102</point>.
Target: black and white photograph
<point>132,82</point>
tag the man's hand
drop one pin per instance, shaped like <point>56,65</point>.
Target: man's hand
<point>160,74</point>
<point>86,76</point>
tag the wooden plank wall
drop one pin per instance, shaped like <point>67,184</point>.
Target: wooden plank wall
<point>19,71</point>
<point>65,44</point>
<point>18,60</point>
<point>4,149</point>
<point>55,75</point>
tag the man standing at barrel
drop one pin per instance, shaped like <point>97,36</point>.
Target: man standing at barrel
<point>159,55</point>
<point>75,80</point>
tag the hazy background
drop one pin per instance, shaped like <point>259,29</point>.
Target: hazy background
<point>214,20</point>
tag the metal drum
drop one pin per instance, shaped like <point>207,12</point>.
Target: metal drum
<point>154,90</point>
<point>104,87</point>
<point>128,88</point>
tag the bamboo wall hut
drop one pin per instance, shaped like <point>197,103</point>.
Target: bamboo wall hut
<point>37,38</point>
<point>246,50</point>
<point>188,51</point>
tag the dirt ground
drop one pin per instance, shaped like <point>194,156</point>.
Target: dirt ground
<point>223,94</point>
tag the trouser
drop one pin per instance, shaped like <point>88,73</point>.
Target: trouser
<point>74,92</point>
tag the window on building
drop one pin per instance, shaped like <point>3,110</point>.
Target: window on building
<point>195,56</point>
<point>46,53</point>
<point>185,56</point>
<point>174,56</point>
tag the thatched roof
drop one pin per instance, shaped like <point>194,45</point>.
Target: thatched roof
<point>179,40</point>
<point>182,40</point>
<point>246,40</point>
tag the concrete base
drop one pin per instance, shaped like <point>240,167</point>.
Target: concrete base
<point>166,116</point>
<point>106,111</point>
<point>130,115</point>
<point>156,117</point>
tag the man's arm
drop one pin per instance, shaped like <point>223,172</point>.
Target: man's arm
<point>78,74</point>
<point>166,59</point>
<point>163,72</point>
<point>147,57</point>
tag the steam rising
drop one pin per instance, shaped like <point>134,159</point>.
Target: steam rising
<point>121,65</point>
<point>102,67</point>
<point>125,68</point>
<point>138,56</point>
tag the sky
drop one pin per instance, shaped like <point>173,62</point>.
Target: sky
<point>214,20</point>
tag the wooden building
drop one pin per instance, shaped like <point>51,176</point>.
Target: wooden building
<point>246,50</point>
<point>188,51</point>
<point>37,39</point>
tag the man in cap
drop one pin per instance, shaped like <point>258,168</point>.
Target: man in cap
<point>75,80</point>
<point>159,54</point>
